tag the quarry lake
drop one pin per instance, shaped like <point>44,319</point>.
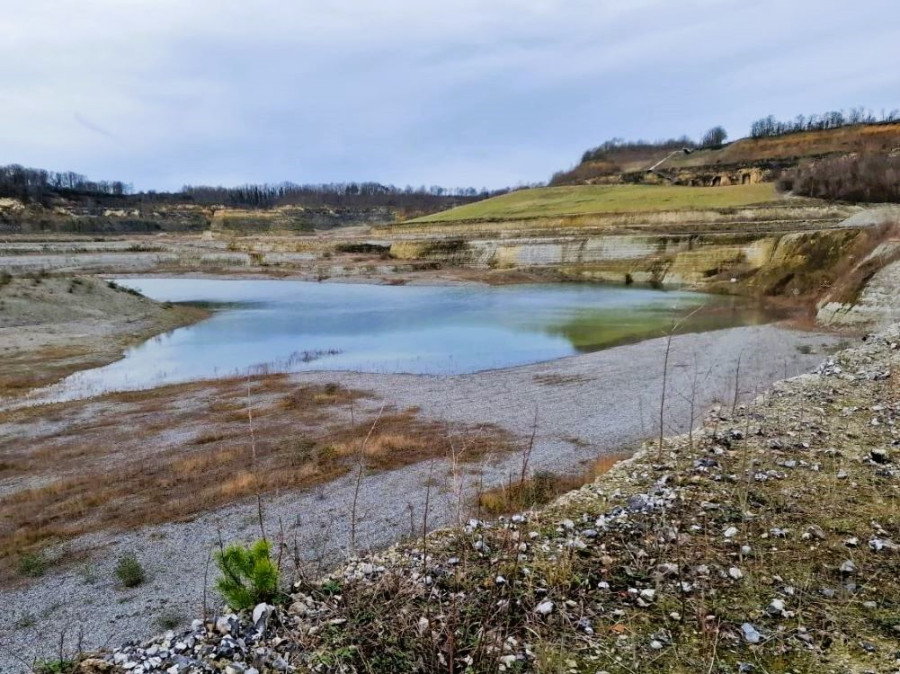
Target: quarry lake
<point>288,326</point>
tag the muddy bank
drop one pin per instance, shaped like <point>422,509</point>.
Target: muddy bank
<point>585,406</point>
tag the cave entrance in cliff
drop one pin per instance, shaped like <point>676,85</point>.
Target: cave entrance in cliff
<point>745,179</point>
<point>717,181</point>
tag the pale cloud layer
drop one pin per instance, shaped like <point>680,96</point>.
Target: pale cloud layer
<point>451,92</point>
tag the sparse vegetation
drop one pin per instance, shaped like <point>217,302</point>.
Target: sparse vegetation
<point>540,488</point>
<point>766,538</point>
<point>860,178</point>
<point>303,437</point>
<point>25,620</point>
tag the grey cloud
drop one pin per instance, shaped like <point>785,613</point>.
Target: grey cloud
<point>456,92</point>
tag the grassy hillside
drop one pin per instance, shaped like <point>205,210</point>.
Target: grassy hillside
<point>585,199</point>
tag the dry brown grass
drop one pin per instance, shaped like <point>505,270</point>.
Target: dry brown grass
<point>22,372</point>
<point>542,487</point>
<point>131,459</point>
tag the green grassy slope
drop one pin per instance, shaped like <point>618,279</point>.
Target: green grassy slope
<point>585,199</point>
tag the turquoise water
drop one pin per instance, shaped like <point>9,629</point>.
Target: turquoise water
<point>278,325</point>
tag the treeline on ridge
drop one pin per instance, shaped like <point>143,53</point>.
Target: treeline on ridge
<point>620,150</point>
<point>367,194</point>
<point>39,186</point>
<point>32,185</point>
<point>622,147</point>
<point>768,127</point>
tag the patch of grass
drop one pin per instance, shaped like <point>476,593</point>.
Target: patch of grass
<point>586,199</point>
<point>61,666</point>
<point>33,564</point>
<point>330,587</point>
<point>25,620</point>
<point>208,437</point>
<point>129,571</point>
<point>169,619</point>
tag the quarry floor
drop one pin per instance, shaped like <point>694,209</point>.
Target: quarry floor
<point>579,408</point>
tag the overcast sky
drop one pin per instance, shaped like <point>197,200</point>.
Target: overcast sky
<point>162,93</point>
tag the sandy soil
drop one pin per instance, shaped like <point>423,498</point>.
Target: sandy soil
<point>585,405</point>
<point>53,326</point>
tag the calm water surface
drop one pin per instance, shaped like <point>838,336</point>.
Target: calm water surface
<point>271,325</point>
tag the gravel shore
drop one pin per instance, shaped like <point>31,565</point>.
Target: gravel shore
<point>585,406</point>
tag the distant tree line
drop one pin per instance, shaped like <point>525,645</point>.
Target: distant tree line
<point>366,194</point>
<point>855,178</point>
<point>768,127</point>
<point>40,186</point>
<point>30,184</point>
<point>620,146</point>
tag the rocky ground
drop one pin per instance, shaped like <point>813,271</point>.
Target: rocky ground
<point>766,541</point>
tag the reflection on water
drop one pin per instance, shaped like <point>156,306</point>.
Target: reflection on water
<point>295,326</point>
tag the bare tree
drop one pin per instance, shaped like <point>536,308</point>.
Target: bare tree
<point>714,137</point>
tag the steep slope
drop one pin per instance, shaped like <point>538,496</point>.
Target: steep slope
<point>744,160</point>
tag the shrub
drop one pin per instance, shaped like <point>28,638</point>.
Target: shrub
<point>249,576</point>
<point>169,620</point>
<point>129,571</point>
<point>33,565</point>
<point>112,285</point>
<point>62,666</point>
<point>865,178</point>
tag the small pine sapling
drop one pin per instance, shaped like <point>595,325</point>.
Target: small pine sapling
<point>249,576</point>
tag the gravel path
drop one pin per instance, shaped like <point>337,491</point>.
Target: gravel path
<point>586,405</point>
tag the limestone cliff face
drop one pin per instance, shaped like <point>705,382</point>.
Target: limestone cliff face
<point>878,303</point>
<point>18,218</point>
<point>852,262</point>
<point>869,293</point>
<point>297,218</point>
<point>871,298</point>
<point>763,263</point>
